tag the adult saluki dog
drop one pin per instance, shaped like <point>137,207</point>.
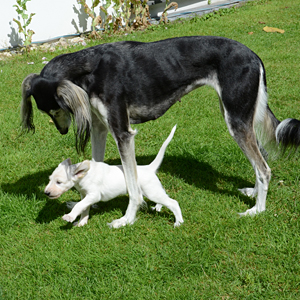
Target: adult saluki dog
<point>110,86</point>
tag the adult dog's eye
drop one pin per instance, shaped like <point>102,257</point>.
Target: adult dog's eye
<point>54,113</point>
<point>58,182</point>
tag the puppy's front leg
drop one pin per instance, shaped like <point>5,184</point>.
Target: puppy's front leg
<point>83,218</point>
<point>81,208</point>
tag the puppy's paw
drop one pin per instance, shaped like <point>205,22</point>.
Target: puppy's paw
<point>119,223</point>
<point>68,218</point>
<point>178,223</point>
<point>157,207</point>
<point>81,222</point>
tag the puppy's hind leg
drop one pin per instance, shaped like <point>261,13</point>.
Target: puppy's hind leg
<point>172,205</point>
<point>157,207</point>
<point>155,192</point>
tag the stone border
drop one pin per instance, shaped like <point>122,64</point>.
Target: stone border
<point>51,46</point>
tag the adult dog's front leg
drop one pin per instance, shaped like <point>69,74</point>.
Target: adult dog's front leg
<point>127,153</point>
<point>98,138</point>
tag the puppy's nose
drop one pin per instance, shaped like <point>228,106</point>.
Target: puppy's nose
<point>47,193</point>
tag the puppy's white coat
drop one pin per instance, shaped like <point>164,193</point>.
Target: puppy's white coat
<point>97,181</point>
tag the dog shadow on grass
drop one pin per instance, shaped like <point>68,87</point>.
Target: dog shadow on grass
<point>191,171</point>
<point>202,175</point>
<point>32,187</point>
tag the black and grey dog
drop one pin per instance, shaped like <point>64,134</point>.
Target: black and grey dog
<point>110,86</point>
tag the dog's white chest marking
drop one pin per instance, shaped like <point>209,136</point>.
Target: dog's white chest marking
<point>99,109</point>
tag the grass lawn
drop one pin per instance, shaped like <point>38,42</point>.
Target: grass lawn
<point>215,254</point>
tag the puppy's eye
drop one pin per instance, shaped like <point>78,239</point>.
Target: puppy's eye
<point>58,182</point>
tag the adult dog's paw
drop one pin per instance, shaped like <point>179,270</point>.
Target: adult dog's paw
<point>252,211</point>
<point>250,192</point>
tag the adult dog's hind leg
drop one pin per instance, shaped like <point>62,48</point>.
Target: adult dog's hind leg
<point>244,102</point>
<point>246,139</point>
<point>252,192</point>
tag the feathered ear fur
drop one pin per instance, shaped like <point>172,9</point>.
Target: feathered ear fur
<point>26,105</point>
<point>73,98</point>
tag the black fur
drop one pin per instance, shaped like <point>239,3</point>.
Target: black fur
<point>136,82</point>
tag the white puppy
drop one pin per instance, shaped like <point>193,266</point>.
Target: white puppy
<point>97,181</point>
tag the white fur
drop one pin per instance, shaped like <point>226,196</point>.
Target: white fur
<point>262,177</point>
<point>98,138</point>
<point>211,80</point>
<point>97,181</point>
<point>283,124</point>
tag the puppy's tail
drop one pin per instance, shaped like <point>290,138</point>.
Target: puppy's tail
<point>159,157</point>
<point>277,137</point>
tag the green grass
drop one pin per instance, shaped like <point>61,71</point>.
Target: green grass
<point>214,254</point>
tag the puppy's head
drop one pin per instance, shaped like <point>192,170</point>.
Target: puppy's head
<point>64,177</point>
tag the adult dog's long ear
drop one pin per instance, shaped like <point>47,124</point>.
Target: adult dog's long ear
<point>73,98</point>
<point>26,105</point>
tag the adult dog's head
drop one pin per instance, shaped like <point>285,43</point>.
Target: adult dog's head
<point>60,100</point>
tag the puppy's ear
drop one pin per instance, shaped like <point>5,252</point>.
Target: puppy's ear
<point>66,162</point>
<point>81,169</point>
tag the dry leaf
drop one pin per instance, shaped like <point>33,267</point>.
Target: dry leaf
<point>272,29</point>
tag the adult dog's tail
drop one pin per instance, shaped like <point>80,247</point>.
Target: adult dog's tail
<point>160,155</point>
<point>277,137</point>
<point>288,134</point>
